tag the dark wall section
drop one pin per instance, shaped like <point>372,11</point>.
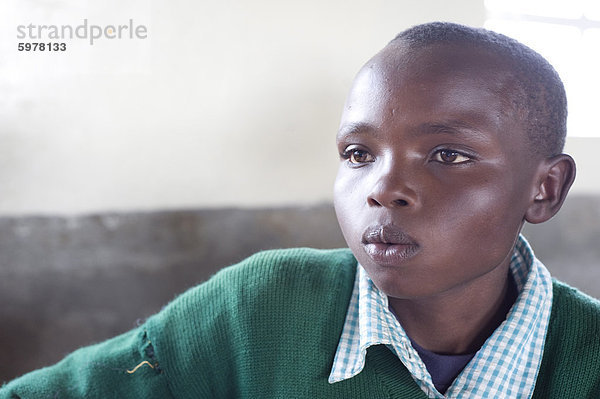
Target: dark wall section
<point>71,281</point>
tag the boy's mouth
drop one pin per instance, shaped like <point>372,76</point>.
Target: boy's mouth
<point>388,245</point>
<point>386,234</point>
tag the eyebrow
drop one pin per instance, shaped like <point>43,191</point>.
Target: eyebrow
<point>446,127</point>
<point>452,127</point>
<point>350,129</point>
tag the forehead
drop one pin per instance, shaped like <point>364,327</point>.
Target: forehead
<point>436,84</point>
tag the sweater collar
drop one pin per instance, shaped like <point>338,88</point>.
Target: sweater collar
<point>505,366</point>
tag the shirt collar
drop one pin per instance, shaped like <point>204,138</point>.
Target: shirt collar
<point>505,366</point>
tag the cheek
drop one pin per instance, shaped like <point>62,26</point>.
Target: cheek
<point>348,204</point>
<point>499,204</point>
<point>348,189</point>
<point>487,194</point>
<point>485,218</point>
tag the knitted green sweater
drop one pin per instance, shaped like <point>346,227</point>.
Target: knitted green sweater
<point>269,328</point>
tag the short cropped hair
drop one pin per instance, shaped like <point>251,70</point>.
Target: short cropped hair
<point>540,96</point>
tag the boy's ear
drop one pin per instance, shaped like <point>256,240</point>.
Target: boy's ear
<point>555,177</point>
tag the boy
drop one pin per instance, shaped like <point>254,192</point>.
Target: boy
<point>450,140</point>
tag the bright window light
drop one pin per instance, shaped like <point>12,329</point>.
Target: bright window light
<point>567,33</point>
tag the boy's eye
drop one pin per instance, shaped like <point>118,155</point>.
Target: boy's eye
<point>357,156</point>
<point>449,156</point>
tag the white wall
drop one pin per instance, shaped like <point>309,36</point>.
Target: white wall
<point>229,103</point>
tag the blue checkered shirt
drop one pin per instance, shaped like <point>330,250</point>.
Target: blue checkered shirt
<point>506,366</point>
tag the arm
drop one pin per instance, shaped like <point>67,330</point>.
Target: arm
<point>122,367</point>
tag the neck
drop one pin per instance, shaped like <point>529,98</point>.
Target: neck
<point>460,320</point>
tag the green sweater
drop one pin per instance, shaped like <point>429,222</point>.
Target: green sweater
<point>269,328</point>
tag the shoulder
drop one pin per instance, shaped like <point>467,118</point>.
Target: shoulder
<point>571,361</point>
<point>291,267</point>
<point>271,281</point>
<point>574,320</point>
<point>278,269</point>
<point>573,305</point>
<point>267,275</point>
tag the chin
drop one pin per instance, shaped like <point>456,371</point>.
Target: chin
<point>395,286</point>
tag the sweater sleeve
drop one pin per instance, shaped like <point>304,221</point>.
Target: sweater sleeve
<point>122,367</point>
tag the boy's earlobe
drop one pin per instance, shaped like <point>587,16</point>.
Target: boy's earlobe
<point>556,176</point>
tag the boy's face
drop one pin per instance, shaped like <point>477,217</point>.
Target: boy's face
<point>435,174</point>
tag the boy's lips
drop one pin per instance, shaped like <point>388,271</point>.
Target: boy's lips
<point>388,245</point>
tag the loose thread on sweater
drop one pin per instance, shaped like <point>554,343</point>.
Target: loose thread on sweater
<point>133,370</point>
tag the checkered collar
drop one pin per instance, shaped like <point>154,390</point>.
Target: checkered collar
<point>505,366</point>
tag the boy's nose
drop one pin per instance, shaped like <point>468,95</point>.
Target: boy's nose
<point>391,191</point>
